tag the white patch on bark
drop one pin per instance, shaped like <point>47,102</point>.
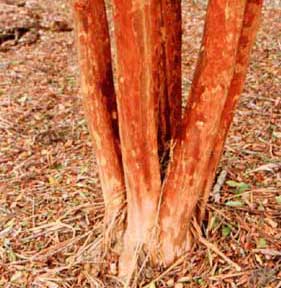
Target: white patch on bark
<point>97,140</point>
<point>200,124</point>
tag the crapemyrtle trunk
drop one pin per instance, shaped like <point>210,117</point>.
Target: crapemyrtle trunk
<point>148,125</point>
<point>190,157</point>
<point>99,100</point>
<point>138,86</point>
<point>251,23</point>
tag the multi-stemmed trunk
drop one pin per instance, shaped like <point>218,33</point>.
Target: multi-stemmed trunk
<point>149,156</point>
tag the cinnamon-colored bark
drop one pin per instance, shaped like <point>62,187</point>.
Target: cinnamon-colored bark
<point>139,84</point>
<point>99,99</point>
<point>249,30</point>
<point>194,145</point>
<point>171,99</point>
<point>148,95</point>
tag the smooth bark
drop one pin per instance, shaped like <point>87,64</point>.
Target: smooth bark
<point>99,100</point>
<point>200,127</point>
<point>248,35</point>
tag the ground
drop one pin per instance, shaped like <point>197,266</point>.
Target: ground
<point>51,207</point>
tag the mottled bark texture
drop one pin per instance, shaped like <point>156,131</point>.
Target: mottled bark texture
<point>99,100</point>
<point>138,86</point>
<point>250,27</point>
<point>147,55</point>
<point>187,170</point>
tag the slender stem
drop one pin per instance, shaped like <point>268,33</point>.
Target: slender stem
<point>139,84</point>
<point>99,99</point>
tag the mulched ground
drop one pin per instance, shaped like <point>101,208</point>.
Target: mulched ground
<point>50,202</point>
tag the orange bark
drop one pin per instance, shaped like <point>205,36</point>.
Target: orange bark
<point>186,172</point>
<point>148,89</point>
<point>171,99</point>
<point>249,30</point>
<point>99,99</point>
<point>138,56</point>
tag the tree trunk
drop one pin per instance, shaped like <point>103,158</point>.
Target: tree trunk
<point>249,30</point>
<point>186,172</point>
<point>148,95</point>
<point>99,100</point>
<point>138,84</point>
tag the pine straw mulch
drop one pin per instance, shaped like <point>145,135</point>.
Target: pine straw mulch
<point>51,207</point>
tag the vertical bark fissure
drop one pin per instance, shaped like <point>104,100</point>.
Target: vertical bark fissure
<point>173,42</point>
<point>193,147</point>
<point>171,99</point>
<point>99,100</point>
<point>249,30</point>
<point>163,109</point>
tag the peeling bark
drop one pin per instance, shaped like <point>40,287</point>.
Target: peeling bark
<point>99,100</point>
<point>138,84</point>
<point>194,145</point>
<point>250,27</point>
